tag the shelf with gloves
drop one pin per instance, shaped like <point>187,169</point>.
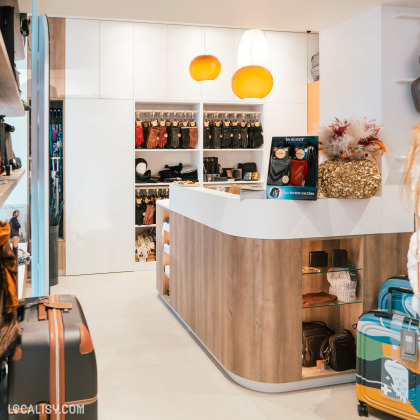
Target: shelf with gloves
<point>166,150</point>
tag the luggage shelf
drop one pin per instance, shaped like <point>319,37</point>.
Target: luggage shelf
<point>335,303</point>
<point>314,372</point>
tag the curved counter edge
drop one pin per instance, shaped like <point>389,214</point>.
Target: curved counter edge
<point>284,219</point>
<point>262,386</point>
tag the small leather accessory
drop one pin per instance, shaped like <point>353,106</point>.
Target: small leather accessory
<point>297,172</point>
<point>318,259</point>
<point>193,137</point>
<point>206,137</point>
<point>339,351</point>
<point>258,139</point>
<point>152,139</point>
<point>244,136</point>
<point>138,135</point>
<point>163,136</point>
<point>175,137</point>
<point>313,335</point>
<point>226,135</point>
<point>235,136</point>
<point>237,173</point>
<point>339,258</point>
<point>185,137</point>
<point>248,167</point>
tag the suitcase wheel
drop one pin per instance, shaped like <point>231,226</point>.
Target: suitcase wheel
<point>363,409</point>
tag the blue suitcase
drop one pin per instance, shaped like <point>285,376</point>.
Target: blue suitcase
<point>401,302</point>
<point>386,379</point>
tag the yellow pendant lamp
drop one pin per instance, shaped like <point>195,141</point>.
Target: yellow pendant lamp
<point>205,67</point>
<point>252,80</point>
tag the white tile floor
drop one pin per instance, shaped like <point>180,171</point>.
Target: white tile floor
<point>150,368</point>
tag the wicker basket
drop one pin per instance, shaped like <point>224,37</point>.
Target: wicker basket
<point>349,179</point>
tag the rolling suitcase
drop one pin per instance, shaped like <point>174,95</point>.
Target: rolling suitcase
<point>388,364</point>
<point>52,374</point>
<point>401,302</point>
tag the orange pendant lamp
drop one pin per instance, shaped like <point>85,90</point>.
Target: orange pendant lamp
<point>205,67</point>
<point>252,80</point>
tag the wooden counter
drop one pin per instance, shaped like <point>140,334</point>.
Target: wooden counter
<point>242,298</point>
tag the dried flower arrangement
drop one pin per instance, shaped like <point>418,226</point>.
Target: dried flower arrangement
<point>351,139</point>
<point>350,148</point>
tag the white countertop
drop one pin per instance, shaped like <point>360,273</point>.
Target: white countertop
<point>282,219</point>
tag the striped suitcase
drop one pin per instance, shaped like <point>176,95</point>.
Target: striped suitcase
<point>386,379</point>
<point>53,373</point>
<point>401,302</point>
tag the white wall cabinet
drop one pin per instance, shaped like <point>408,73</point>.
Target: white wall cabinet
<point>220,42</point>
<point>116,60</point>
<point>184,43</point>
<point>150,61</point>
<point>82,58</point>
<point>99,186</point>
<point>288,64</point>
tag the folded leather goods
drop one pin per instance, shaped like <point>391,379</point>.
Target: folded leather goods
<point>189,173</point>
<point>320,297</point>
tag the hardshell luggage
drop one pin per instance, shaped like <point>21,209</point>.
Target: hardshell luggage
<point>388,364</point>
<point>52,374</point>
<point>401,301</point>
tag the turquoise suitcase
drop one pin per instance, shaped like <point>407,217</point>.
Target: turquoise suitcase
<point>401,300</point>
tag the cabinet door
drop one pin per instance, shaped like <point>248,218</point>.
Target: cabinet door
<point>99,181</point>
<point>220,42</point>
<point>184,43</point>
<point>288,64</point>
<point>82,58</point>
<point>116,60</point>
<point>150,61</point>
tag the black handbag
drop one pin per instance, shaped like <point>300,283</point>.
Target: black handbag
<point>339,350</point>
<point>248,167</point>
<point>313,336</point>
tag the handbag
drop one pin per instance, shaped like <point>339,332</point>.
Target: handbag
<point>313,335</point>
<point>339,351</point>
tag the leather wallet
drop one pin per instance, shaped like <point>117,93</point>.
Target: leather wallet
<point>339,258</point>
<point>318,259</point>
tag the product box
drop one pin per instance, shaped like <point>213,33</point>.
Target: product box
<point>293,168</point>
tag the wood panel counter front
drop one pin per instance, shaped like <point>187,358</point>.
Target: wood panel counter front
<point>242,297</point>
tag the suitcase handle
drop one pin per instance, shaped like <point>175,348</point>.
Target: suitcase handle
<point>397,289</point>
<point>389,316</point>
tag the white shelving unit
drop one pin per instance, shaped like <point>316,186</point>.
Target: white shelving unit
<point>158,158</point>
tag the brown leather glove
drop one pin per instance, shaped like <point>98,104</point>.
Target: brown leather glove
<point>193,137</point>
<point>163,136</point>
<point>152,140</point>
<point>149,214</point>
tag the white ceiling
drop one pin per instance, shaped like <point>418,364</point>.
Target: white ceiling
<point>292,15</point>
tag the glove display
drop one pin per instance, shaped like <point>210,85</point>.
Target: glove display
<point>174,133</point>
